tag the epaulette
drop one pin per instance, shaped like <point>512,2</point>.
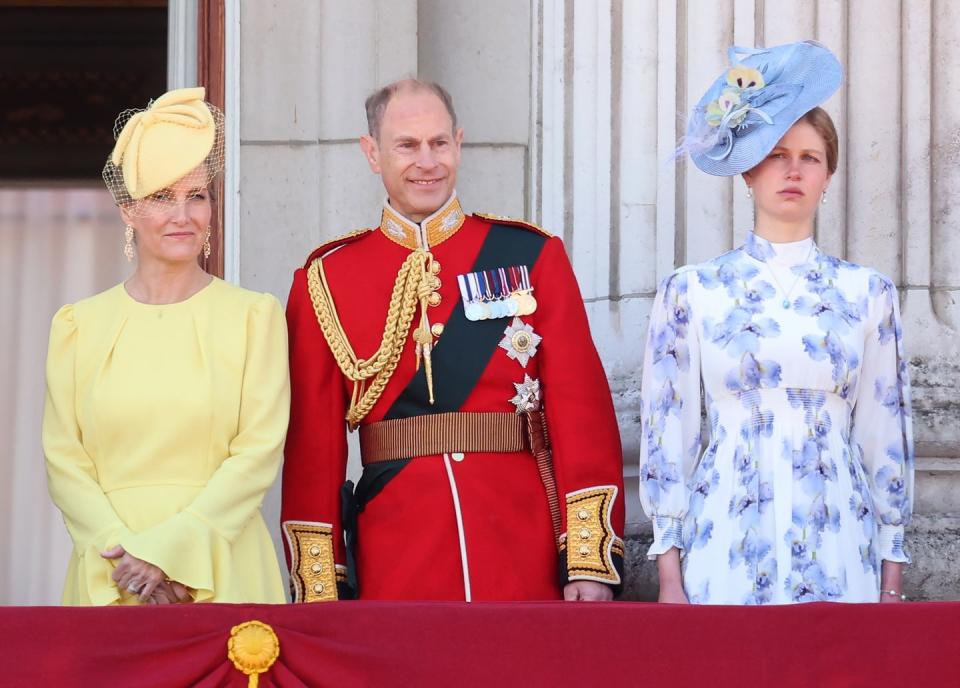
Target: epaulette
<point>328,246</point>
<point>501,220</point>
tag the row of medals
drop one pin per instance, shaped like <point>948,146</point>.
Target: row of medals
<point>520,302</point>
<point>482,303</point>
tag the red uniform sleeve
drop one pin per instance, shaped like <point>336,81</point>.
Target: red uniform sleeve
<point>315,456</point>
<point>581,423</point>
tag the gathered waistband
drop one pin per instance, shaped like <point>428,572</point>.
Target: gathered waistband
<point>758,406</point>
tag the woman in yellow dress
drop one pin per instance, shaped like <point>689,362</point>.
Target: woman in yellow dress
<point>167,395</point>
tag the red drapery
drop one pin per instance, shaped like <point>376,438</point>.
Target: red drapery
<point>490,644</point>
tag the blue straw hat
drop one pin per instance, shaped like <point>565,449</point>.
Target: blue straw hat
<point>751,106</point>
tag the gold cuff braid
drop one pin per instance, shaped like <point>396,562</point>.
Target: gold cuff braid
<point>313,573</point>
<point>416,282</point>
<point>590,540</point>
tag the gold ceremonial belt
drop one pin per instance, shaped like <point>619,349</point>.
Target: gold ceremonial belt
<point>444,433</point>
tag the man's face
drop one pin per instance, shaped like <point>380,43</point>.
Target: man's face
<point>416,154</point>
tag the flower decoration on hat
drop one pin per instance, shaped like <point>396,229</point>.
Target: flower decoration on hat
<point>751,105</point>
<point>739,108</point>
<point>744,77</point>
<point>733,105</point>
<point>176,135</point>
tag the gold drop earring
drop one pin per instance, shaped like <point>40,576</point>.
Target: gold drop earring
<point>128,249</point>
<point>206,244</point>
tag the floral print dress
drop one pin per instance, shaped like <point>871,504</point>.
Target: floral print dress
<point>805,481</point>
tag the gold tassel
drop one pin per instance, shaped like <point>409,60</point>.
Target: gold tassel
<point>424,343</point>
<point>429,370</point>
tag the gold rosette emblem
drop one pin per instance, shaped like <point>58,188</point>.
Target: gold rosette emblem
<point>253,647</point>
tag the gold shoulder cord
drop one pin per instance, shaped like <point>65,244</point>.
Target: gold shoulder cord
<point>415,282</point>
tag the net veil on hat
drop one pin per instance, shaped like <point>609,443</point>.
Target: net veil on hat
<point>751,105</point>
<point>175,135</point>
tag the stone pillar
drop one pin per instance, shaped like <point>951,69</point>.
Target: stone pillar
<point>480,52</point>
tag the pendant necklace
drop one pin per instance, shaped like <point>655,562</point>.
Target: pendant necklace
<point>786,294</point>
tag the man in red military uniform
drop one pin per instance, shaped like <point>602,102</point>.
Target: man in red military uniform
<point>458,346</point>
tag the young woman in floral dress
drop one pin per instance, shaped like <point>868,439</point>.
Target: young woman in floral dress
<point>804,486</point>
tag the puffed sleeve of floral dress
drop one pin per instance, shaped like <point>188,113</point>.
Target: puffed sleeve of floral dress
<point>670,410</point>
<point>882,427</point>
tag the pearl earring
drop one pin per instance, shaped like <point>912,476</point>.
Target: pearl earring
<point>823,198</point>
<point>749,192</point>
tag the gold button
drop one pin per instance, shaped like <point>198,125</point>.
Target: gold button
<point>434,299</point>
<point>315,551</point>
<point>584,534</point>
<point>436,329</point>
<point>317,568</point>
<point>584,550</point>
<point>583,514</point>
<point>435,268</point>
<point>318,588</point>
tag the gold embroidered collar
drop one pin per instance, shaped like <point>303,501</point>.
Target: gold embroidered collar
<point>434,229</point>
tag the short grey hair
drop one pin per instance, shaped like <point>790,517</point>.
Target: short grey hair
<point>376,103</point>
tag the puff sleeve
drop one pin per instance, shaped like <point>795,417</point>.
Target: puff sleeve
<point>71,474</point>
<point>671,412</point>
<point>882,428</point>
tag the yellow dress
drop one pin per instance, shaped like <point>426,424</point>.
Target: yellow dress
<point>163,429</point>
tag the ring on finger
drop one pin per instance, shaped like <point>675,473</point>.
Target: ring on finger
<point>135,587</point>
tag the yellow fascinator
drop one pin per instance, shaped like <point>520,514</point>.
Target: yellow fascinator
<point>177,133</point>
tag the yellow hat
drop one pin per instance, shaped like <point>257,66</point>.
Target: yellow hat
<point>162,144</point>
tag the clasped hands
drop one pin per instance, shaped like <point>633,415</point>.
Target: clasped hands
<point>140,577</point>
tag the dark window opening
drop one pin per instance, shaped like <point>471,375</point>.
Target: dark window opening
<point>66,70</point>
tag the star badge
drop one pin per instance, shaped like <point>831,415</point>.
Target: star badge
<point>520,341</point>
<point>528,395</point>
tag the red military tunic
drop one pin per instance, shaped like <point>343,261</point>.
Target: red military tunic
<point>450,526</point>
